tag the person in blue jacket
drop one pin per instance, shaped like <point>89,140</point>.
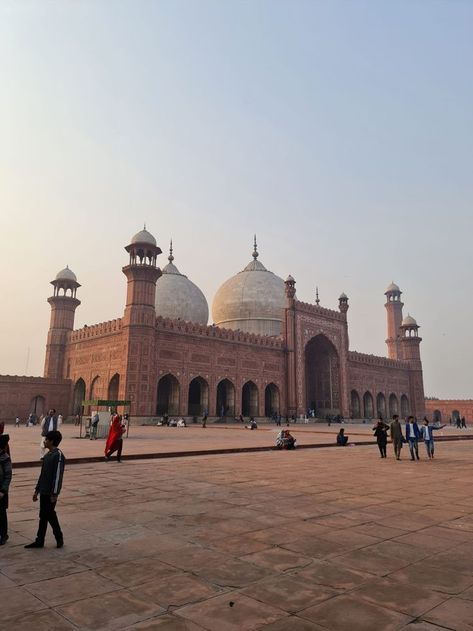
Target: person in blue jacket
<point>427,433</point>
<point>412,437</point>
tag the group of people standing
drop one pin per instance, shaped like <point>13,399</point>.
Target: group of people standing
<point>412,436</point>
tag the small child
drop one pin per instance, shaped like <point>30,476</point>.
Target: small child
<point>5,479</point>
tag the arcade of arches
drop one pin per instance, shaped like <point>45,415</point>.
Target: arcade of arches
<point>364,408</point>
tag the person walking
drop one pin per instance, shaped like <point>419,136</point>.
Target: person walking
<point>17,421</point>
<point>5,479</point>
<point>48,488</point>
<point>427,433</point>
<point>396,436</point>
<point>115,438</point>
<point>93,426</point>
<point>381,432</point>
<point>412,437</point>
<point>50,423</point>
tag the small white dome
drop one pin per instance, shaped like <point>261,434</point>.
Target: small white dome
<point>409,321</point>
<point>392,287</point>
<point>253,301</point>
<point>179,298</point>
<point>143,236</point>
<point>66,274</point>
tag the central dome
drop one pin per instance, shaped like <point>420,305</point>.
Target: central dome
<point>252,301</point>
<point>179,298</point>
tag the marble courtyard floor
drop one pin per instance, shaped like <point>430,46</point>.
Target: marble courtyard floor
<point>309,540</point>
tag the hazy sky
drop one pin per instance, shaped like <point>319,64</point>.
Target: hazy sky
<point>340,132</point>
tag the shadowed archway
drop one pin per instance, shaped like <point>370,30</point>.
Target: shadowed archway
<point>167,400</point>
<point>225,398</point>
<point>249,399</point>
<point>271,400</point>
<point>198,397</point>
<point>322,376</point>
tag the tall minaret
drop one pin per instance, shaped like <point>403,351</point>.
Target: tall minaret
<point>142,274</point>
<point>139,322</point>
<point>410,352</point>
<point>63,307</point>
<point>394,312</point>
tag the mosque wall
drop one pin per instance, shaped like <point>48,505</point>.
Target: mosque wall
<point>94,356</point>
<point>444,410</point>
<point>212,356</point>
<point>19,396</point>
<point>378,385</point>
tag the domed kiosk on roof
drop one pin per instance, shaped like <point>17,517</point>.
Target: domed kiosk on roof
<point>179,298</point>
<point>143,236</point>
<point>252,301</point>
<point>66,274</point>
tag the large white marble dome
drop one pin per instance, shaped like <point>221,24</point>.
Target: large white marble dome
<point>179,298</point>
<point>252,301</point>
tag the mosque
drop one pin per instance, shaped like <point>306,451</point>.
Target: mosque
<point>266,352</point>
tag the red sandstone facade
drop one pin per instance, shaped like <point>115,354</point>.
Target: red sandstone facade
<point>188,369</point>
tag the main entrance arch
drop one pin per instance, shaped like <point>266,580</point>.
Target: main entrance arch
<point>167,401</point>
<point>322,376</point>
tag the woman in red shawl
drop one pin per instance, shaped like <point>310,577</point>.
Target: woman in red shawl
<point>115,438</point>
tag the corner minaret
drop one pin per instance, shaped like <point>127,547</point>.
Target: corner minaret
<point>63,307</point>
<point>394,313</point>
<point>410,352</point>
<point>142,274</point>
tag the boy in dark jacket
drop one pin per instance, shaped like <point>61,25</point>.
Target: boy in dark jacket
<point>48,488</point>
<point>5,479</point>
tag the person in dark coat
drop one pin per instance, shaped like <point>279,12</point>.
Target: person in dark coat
<point>48,488</point>
<point>396,436</point>
<point>342,440</point>
<point>5,479</point>
<point>381,432</point>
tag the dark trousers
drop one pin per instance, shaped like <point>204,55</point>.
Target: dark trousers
<point>47,515</point>
<point>382,448</point>
<point>116,447</point>
<point>3,516</point>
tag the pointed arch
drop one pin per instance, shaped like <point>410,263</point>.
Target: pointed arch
<point>198,397</point>
<point>405,408</point>
<point>114,387</point>
<point>225,398</point>
<point>167,399</point>
<point>393,405</point>
<point>355,404</point>
<point>96,388</point>
<point>78,396</point>
<point>271,400</point>
<point>368,407</point>
<point>249,399</point>
<point>381,405</point>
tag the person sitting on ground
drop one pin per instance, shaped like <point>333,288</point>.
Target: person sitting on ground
<point>181,423</point>
<point>342,440</point>
<point>285,440</point>
<point>252,425</point>
<point>172,422</point>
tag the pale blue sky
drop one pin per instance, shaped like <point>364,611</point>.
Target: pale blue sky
<point>340,132</point>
